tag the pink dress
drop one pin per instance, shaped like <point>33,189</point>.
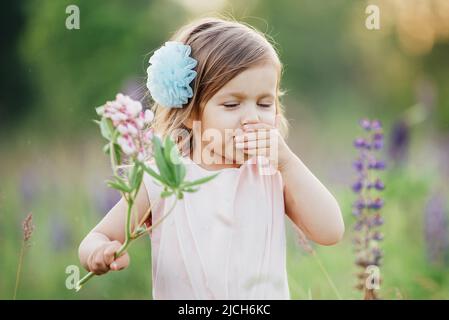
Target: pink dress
<point>225,241</point>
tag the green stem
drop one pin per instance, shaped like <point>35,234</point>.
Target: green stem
<point>326,274</point>
<point>128,230</point>
<point>19,267</point>
<point>128,240</point>
<point>112,156</point>
<point>83,280</point>
<point>159,221</point>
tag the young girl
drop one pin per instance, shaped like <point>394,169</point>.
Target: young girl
<point>227,240</point>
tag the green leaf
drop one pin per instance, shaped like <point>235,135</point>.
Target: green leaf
<point>161,163</point>
<point>133,176</point>
<point>115,134</point>
<point>106,148</point>
<point>171,154</point>
<point>100,110</point>
<point>118,184</point>
<point>106,128</point>
<point>199,181</point>
<point>181,172</point>
<point>117,152</point>
<point>190,189</point>
<point>154,174</point>
<point>171,158</point>
<point>165,194</point>
<point>139,177</point>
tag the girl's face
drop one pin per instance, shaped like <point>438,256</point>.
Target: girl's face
<point>248,98</point>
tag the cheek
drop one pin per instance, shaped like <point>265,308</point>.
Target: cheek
<point>220,119</point>
<point>269,118</point>
<point>216,122</point>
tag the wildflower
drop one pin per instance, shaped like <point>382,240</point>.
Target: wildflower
<point>436,230</point>
<point>367,206</point>
<point>27,230</point>
<point>399,141</point>
<point>27,227</point>
<point>131,124</point>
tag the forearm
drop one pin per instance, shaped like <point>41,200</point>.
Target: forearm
<point>309,204</point>
<point>91,242</point>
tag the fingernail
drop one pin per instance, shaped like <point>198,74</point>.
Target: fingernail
<point>239,145</point>
<point>114,266</point>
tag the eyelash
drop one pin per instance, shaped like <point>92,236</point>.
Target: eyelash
<point>234,105</point>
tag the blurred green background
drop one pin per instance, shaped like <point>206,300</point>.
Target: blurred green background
<point>336,72</point>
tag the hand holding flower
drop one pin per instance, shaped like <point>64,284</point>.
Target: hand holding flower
<point>127,128</point>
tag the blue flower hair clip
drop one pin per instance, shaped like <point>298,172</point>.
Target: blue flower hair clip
<point>170,73</point>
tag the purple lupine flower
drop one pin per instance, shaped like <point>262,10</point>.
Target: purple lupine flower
<point>375,221</point>
<point>376,125</point>
<point>360,143</point>
<point>359,204</point>
<point>358,165</point>
<point>365,124</point>
<point>367,206</point>
<point>375,204</point>
<point>357,186</point>
<point>376,164</point>
<point>399,141</point>
<point>436,230</point>
<point>379,185</point>
<point>378,236</point>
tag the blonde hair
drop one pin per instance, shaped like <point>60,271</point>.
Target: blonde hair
<point>223,49</point>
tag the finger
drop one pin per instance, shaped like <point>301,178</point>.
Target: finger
<point>264,143</point>
<point>109,252</point>
<point>120,263</point>
<point>255,126</point>
<point>98,265</point>
<point>253,135</point>
<point>91,264</point>
<point>238,132</point>
<point>258,151</point>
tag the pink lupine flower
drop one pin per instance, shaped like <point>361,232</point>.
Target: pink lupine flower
<point>132,124</point>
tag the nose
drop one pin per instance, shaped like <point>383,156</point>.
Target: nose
<point>250,116</point>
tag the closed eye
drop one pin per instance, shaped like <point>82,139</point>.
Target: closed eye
<point>233,105</point>
<point>260,104</point>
